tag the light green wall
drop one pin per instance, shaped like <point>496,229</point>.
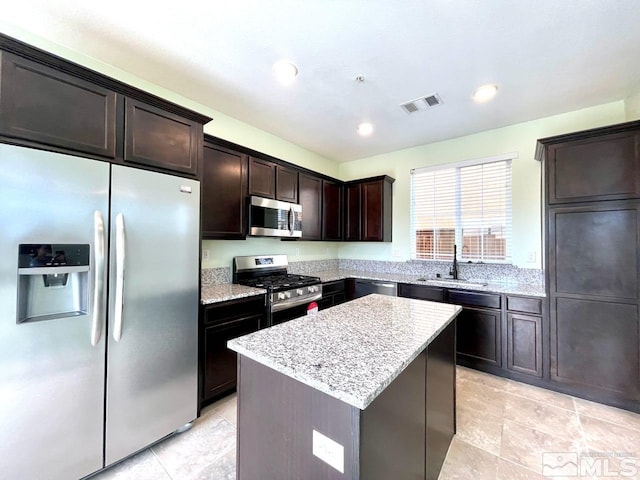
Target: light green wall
<point>521,138</point>
<point>632,107</point>
<point>222,126</point>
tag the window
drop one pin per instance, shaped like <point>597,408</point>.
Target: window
<point>469,205</point>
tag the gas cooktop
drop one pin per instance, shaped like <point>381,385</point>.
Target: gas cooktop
<point>279,282</point>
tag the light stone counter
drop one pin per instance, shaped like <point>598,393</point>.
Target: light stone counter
<point>227,291</point>
<point>353,351</point>
<point>534,290</point>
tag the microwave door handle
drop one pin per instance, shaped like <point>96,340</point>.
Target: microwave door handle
<point>290,218</point>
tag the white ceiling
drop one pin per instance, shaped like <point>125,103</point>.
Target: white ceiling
<point>547,56</point>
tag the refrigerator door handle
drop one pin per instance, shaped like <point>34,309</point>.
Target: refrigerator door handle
<point>98,281</point>
<point>119,294</point>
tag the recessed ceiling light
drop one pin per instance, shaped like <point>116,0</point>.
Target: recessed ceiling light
<point>485,93</point>
<point>365,129</point>
<point>286,72</point>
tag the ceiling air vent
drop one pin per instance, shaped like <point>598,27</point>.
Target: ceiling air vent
<point>422,103</point>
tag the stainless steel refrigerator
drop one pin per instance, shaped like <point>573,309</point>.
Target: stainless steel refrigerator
<point>98,311</point>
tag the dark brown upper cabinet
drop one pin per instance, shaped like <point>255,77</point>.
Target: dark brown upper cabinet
<point>161,139</point>
<point>353,202</point>
<point>48,106</point>
<point>50,103</point>
<point>310,195</point>
<point>594,169</point>
<point>286,184</point>
<point>369,210</point>
<point>270,180</point>
<point>262,178</point>
<point>331,211</point>
<point>224,193</point>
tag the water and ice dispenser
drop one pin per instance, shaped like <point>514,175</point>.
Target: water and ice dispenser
<point>53,281</point>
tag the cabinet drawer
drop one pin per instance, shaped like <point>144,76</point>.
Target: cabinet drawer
<point>234,309</point>
<point>524,304</point>
<point>329,288</point>
<point>421,292</point>
<point>474,299</point>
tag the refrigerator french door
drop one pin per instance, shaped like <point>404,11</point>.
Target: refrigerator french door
<point>78,392</point>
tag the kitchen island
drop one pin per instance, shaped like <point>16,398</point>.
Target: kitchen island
<point>363,390</point>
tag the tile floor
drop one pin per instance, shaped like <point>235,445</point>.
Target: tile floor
<point>504,427</point>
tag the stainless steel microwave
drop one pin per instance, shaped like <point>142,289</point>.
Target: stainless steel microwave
<point>273,218</point>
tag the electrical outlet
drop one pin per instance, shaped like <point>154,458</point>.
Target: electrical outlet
<point>297,252</point>
<point>329,451</point>
<point>205,255</point>
<point>395,253</point>
<point>531,258</point>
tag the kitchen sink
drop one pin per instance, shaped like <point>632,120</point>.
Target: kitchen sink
<point>453,281</point>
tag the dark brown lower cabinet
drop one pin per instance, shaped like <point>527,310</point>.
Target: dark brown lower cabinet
<point>222,322</point>
<point>479,337</point>
<point>333,293</point>
<point>524,343</point>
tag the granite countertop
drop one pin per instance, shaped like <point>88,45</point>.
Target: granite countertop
<point>497,287</point>
<point>227,291</point>
<point>352,351</point>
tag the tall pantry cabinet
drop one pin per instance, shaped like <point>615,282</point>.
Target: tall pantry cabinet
<point>592,237</point>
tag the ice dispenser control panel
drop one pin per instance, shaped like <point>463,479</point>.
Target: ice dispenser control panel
<point>53,281</point>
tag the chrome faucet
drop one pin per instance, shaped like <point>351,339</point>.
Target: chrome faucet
<point>454,267</point>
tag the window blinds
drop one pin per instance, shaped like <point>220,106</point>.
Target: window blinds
<point>468,205</point>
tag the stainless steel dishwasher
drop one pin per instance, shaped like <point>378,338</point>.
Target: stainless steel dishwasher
<point>365,287</point>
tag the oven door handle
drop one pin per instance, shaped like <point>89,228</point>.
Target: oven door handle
<point>278,307</point>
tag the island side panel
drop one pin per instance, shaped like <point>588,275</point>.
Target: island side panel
<point>440,399</point>
<point>392,428</point>
<point>276,417</point>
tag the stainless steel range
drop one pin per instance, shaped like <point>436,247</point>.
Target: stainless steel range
<point>288,295</point>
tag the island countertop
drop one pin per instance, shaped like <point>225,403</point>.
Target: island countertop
<point>352,351</point>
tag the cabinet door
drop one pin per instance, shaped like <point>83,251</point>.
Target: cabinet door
<point>593,250</point>
<point>161,139</point>
<point>262,178</point>
<point>353,212</point>
<point>478,336</point>
<point>331,211</point>
<point>524,344</point>
<point>372,211</point>
<point>220,363</point>
<point>286,184</point>
<point>594,280</point>
<point>595,344</point>
<point>44,105</point>
<point>311,201</point>
<point>224,193</point>
<point>601,168</point>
